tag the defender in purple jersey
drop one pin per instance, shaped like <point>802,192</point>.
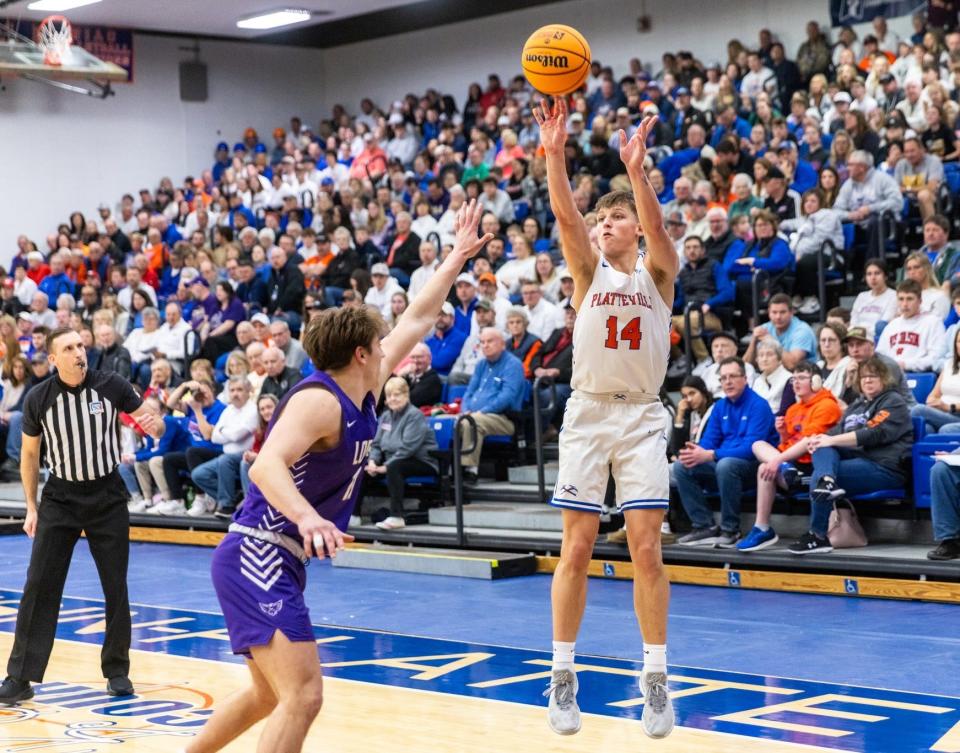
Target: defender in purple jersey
<point>305,481</point>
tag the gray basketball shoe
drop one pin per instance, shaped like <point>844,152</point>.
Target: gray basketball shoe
<point>563,714</point>
<point>658,717</point>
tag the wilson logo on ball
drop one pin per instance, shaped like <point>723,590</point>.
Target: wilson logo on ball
<point>550,61</point>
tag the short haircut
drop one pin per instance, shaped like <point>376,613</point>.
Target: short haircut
<point>241,380</point>
<point>54,334</point>
<point>397,384</point>
<point>727,147</point>
<point>734,359</point>
<point>910,286</point>
<point>806,367</point>
<point>781,299</point>
<point>768,343</point>
<point>518,312</point>
<point>940,221</point>
<point>333,336</point>
<point>696,238</point>
<point>839,312</point>
<point>618,199</point>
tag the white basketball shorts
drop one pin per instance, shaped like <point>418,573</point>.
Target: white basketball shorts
<point>612,432</point>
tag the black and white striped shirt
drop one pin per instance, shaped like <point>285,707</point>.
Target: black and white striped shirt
<point>80,425</point>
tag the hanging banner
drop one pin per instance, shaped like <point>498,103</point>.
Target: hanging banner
<point>110,44</point>
<point>850,12</point>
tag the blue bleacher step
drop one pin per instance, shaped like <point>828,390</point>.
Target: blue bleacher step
<point>504,515</point>
<point>527,474</point>
<point>427,561</point>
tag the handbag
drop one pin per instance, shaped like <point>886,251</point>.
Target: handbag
<point>844,530</point>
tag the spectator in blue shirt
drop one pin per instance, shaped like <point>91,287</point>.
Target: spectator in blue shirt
<point>804,174</point>
<point>729,122</point>
<point>723,460</point>
<point>794,335</point>
<point>496,388</point>
<point>221,161</point>
<point>466,289</point>
<point>56,283</point>
<point>202,410</point>
<point>447,340</point>
<point>768,252</point>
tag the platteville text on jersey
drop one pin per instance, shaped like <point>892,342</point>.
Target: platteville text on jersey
<point>620,299</point>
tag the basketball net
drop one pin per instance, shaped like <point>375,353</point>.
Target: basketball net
<point>54,37</point>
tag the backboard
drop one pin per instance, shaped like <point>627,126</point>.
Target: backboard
<point>26,59</point>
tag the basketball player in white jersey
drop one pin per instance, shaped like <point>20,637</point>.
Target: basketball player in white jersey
<point>614,419</point>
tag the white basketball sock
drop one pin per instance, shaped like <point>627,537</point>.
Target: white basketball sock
<point>654,658</point>
<point>563,655</point>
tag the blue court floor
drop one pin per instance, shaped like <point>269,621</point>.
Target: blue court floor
<point>823,658</point>
<point>899,645</point>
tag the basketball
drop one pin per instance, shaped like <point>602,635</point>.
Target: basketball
<point>556,59</point>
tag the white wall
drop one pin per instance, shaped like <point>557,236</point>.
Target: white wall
<point>60,152</point>
<point>450,57</point>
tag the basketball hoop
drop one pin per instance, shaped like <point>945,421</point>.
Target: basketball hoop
<point>54,37</point>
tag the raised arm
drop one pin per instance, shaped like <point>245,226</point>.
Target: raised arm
<point>578,254</point>
<point>420,317</point>
<point>661,260</point>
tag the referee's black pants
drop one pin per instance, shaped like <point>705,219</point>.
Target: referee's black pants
<point>98,508</point>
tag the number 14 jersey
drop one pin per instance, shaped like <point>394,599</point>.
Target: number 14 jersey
<point>621,341</point>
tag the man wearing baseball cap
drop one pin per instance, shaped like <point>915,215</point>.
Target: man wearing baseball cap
<point>860,347</point>
<point>383,288</point>
<point>447,341</point>
<point>221,160</point>
<point>490,290</point>
<point>484,316</point>
<point>833,119</point>
<point>466,290</point>
<point>261,328</point>
<point>781,200</point>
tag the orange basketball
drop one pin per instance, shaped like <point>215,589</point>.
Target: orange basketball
<point>556,59</point>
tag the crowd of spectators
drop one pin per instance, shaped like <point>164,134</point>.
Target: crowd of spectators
<point>198,291</point>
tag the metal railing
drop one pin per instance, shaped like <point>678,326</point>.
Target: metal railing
<point>539,382</point>
<point>822,270</point>
<point>758,282</point>
<point>687,337</point>
<point>458,471</point>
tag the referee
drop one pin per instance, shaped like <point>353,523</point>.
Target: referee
<point>77,416</point>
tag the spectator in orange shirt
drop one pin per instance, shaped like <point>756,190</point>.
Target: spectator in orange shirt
<point>371,162</point>
<point>76,267</point>
<point>155,250</point>
<point>815,411</point>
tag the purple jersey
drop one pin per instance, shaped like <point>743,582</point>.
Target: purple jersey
<point>330,480</point>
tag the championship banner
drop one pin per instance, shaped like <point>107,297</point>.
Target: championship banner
<point>850,12</point>
<point>110,44</point>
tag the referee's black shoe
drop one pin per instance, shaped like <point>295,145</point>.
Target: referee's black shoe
<point>120,685</point>
<point>12,691</point>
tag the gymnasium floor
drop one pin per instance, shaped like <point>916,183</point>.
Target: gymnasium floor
<point>431,664</point>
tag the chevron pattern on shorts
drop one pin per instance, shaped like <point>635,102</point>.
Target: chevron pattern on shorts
<point>260,562</point>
